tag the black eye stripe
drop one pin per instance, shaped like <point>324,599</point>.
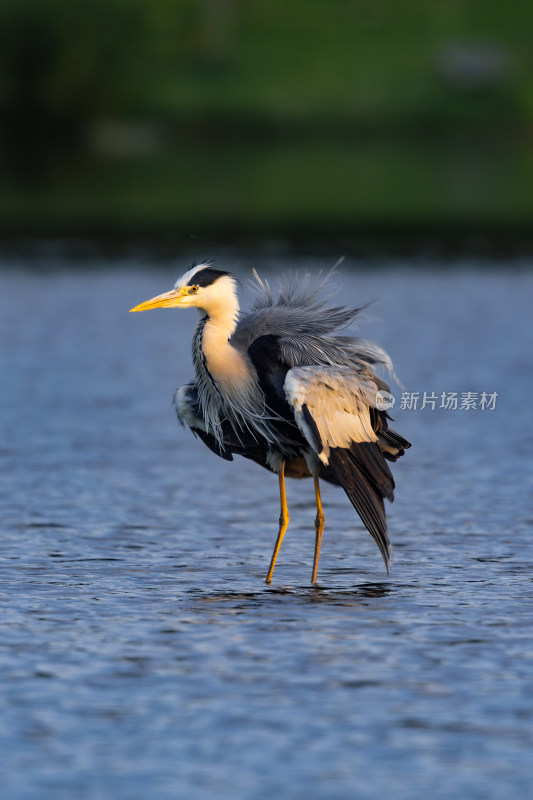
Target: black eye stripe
<point>207,276</point>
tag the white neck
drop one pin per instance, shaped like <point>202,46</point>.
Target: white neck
<point>226,364</point>
<point>221,305</point>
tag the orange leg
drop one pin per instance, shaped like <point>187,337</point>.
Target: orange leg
<point>319,528</point>
<point>283,522</point>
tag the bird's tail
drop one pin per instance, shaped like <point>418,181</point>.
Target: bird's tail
<point>366,479</point>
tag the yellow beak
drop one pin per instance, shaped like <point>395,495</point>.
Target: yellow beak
<point>165,300</point>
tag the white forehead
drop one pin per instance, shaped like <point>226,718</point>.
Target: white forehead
<point>186,277</point>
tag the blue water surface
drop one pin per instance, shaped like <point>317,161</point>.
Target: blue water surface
<point>142,654</point>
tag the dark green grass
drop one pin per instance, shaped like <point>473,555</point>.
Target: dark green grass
<point>272,117</point>
<point>269,189</point>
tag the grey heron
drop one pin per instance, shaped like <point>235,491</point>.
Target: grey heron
<point>281,387</point>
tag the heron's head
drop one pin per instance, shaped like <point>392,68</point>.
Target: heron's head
<point>211,290</point>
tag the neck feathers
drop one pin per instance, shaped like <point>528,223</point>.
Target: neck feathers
<point>226,367</point>
<point>227,383</point>
<point>224,362</point>
<point>221,305</point>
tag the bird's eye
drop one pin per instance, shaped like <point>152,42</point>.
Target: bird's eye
<point>193,289</point>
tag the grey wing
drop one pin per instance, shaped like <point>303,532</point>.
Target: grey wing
<point>305,326</point>
<point>300,317</point>
<point>339,402</point>
<point>334,407</point>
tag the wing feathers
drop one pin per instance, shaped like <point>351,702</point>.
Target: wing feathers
<point>334,407</point>
<point>368,458</point>
<point>338,399</point>
<point>364,498</point>
<point>392,444</point>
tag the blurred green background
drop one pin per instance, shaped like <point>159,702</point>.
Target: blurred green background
<point>305,119</point>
